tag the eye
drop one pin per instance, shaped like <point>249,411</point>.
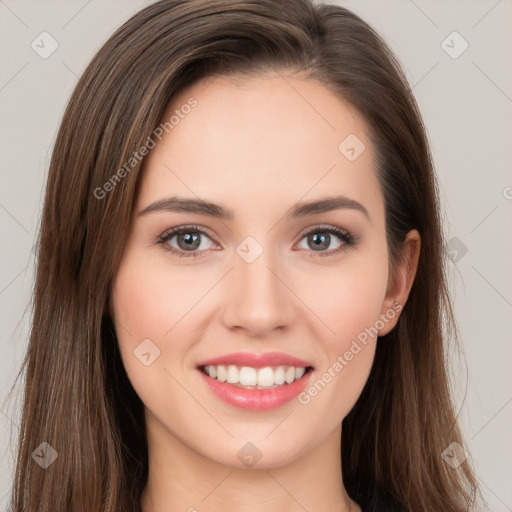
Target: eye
<point>191,241</point>
<point>185,241</point>
<point>321,238</point>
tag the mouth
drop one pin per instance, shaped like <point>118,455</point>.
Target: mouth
<point>271,382</point>
<point>256,382</point>
<point>247,377</point>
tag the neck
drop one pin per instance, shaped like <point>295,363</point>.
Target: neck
<point>181,479</point>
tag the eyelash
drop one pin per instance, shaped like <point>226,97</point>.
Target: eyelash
<point>347,238</point>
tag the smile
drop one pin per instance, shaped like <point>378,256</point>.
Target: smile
<point>248,377</point>
<point>256,397</point>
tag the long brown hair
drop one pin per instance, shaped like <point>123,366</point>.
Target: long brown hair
<point>78,398</point>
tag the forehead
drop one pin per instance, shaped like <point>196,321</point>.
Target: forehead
<point>261,138</point>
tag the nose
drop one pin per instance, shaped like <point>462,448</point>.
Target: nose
<point>257,298</point>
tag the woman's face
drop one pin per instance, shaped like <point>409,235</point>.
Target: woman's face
<point>268,276</point>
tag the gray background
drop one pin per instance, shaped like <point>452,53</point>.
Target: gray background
<point>466,103</point>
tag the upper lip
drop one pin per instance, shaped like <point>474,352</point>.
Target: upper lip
<point>257,360</point>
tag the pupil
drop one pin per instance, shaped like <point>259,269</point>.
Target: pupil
<point>191,241</point>
<point>321,241</point>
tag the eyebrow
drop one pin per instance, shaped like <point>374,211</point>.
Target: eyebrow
<point>301,209</point>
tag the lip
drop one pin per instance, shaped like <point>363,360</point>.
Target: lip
<point>256,399</point>
<point>257,360</point>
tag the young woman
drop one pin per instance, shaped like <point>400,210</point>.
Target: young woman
<point>240,300</point>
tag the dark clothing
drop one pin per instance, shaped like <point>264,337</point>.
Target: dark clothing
<point>371,498</point>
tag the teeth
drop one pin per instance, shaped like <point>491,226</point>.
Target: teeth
<point>289,375</point>
<point>233,374</point>
<point>265,377</point>
<point>221,371</point>
<point>246,376</point>
<point>279,376</point>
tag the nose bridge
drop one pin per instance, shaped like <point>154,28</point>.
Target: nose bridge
<point>258,300</point>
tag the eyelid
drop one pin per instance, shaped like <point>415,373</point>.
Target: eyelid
<point>326,227</point>
<point>348,239</point>
<point>191,227</point>
<point>170,233</point>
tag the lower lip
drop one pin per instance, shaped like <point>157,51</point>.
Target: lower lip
<point>256,399</point>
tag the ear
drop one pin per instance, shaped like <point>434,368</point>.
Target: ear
<point>401,280</point>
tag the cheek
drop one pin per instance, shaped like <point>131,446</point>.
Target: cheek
<point>348,296</point>
<point>350,306</point>
<point>154,300</point>
<point>149,298</point>
<point>146,306</point>
<point>150,303</point>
